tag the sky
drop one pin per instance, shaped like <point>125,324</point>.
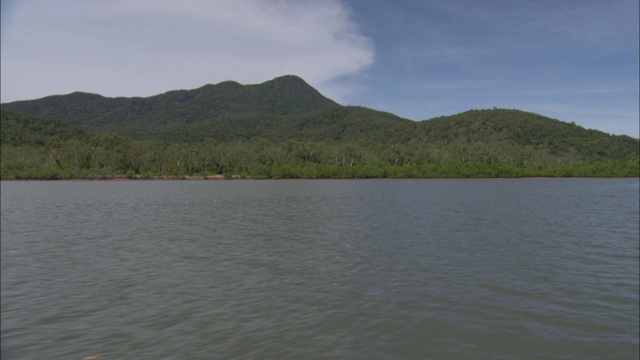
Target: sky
<point>572,60</point>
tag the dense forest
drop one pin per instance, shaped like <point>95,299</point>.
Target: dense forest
<point>286,129</point>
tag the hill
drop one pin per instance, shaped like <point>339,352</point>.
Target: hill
<point>283,108</point>
<point>524,130</point>
<point>140,117</point>
<point>25,130</point>
<point>286,124</point>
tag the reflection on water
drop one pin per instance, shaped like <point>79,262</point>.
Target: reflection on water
<point>322,269</point>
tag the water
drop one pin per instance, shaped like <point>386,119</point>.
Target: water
<point>366,269</point>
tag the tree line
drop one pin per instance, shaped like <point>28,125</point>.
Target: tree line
<point>107,155</point>
<point>472,144</point>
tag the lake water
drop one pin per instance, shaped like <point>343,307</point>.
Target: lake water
<point>328,269</point>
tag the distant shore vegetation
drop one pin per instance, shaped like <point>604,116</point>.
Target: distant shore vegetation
<point>110,156</point>
<point>285,129</point>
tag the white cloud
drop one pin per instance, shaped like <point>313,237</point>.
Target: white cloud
<point>141,48</point>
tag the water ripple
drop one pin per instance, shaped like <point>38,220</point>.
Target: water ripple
<point>509,269</point>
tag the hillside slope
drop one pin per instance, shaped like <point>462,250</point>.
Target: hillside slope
<point>24,130</point>
<point>138,117</point>
<point>287,108</point>
<point>520,129</point>
<point>485,143</point>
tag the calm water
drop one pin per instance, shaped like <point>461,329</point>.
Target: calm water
<point>371,269</point>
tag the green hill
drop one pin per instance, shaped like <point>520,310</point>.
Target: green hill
<point>338,123</point>
<point>25,130</point>
<point>517,129</point>
<point>147,117</point>
<point>277,110</point>
<point>285,128</point>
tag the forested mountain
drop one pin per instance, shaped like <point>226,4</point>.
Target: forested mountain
<point>24,130</point>
<point>525,130</point>
<point>285,128</point>
<point>144,117</point>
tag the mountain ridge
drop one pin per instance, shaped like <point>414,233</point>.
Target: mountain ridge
<point>287,108</point>
<point>285,95</point>
<point>286,128</point>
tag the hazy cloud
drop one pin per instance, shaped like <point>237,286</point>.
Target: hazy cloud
<point>141,48</point>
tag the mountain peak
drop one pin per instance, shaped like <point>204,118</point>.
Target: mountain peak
<point>228,83</point>
<point>291,94</point>
<point>289,82</point>
<point>289,79</point>
<point>284,95</point>
<point>82,96</point>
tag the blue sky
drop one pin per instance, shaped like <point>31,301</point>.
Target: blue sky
<point>572,60</point>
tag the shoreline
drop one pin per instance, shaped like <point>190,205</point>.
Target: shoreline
<point>133,178</point>
<point>238,177</point>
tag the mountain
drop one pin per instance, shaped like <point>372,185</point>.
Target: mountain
<point>287,108</point>
<point>285,128</point>
<point>25,130</point>
<point>522,129</point>
<point>139,117</point>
